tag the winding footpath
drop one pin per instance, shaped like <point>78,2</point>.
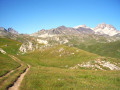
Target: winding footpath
<point>15,59</point>
<point>17,84</point>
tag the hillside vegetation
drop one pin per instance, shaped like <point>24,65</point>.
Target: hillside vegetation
<point>10,67</point>
<point>7,64</point>
<point>9,45</point>
<point>50,70</point>
<point>53,67</point>
<point>58,56</point>
<point>111,49</point>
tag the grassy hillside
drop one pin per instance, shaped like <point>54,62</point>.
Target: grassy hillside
<point>9,45</point>
<point>58,56</point>
<point>10,67</point>
<point>50,67</point>
<point>52,78</point>
<point>7,64</point>
<point>111,49</point>
<point>50,71</point>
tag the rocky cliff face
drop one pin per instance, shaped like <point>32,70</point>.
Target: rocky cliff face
<point>2,51</point>
<point>2,29</point>
<point>62,30</point>
<point>12,31</point>
<point>101,29</point>
<point>28,46</point>
<point>105,29</point>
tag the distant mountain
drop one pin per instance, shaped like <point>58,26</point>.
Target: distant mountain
<point>102,29</point>
<point>9,30</point>
<point>12,31</point>
<point>106,29</point>
<point>62,30</point>
<point>2,29</point>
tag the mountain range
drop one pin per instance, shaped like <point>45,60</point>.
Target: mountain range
<point>100,29</point>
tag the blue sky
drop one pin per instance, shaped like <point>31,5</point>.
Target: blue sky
<point>28,16</point>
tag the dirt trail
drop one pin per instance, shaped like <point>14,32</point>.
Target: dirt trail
<point>17,60</point>
<point>7,74</point>
<point>16,84</point>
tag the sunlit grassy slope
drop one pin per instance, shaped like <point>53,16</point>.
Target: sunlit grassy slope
<point>111,49</point>
<point>49,78</point>
<point>10,69</point>
<point>50,71</point>
<point>7,64</point>
<point>10,47</point>
<point>58,56</point>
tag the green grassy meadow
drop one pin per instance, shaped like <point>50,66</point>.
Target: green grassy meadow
<point>7,64</point>
<point>110,49</point>
<point>53,78</point>
<point>49,71</point>
<point>9,45</point>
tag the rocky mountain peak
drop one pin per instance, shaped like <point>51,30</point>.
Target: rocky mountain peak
<point>2,28</point>
<point>103,25</point>
<point>62,28</point>
<point>11,30</point>
<point>105,29</point>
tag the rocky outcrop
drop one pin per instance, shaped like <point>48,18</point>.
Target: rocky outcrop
<point>2,51</point>
<point>28,46</point>
<point>2,29</point>
<point>12,31</point>
<point>42,41</point>
<point>97,65</point>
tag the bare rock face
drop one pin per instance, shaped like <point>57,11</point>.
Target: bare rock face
<point>62,30</point>
<point>97,65</point>
<point>42,41</point>
<point>2,29</point>
<point>11,33</point>
<point>106,29</point>
<point>25,47</point>
<point>2,51</point>
<point>11,30</point>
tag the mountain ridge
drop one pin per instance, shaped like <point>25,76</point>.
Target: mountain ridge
<point>100,29</point>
